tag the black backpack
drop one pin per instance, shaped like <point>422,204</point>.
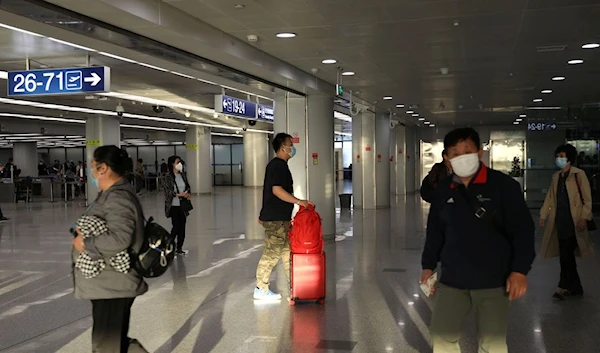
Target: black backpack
<point>158,249</point>
<point>157,252</point>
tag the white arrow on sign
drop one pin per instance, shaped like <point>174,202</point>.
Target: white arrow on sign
<point>94,79</point>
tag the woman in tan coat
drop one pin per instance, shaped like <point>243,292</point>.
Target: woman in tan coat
<point>565,213</point>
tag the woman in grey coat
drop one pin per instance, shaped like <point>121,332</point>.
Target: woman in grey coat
<point>117,223</point>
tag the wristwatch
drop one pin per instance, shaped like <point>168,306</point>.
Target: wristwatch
<point>298,202</point>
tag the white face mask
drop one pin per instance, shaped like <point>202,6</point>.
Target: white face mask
<point>179,167</point>
<point>466,165</point>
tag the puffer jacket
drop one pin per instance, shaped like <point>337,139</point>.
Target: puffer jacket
<point>120,209</point>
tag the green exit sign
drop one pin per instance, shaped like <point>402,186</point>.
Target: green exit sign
<point>339,90</point>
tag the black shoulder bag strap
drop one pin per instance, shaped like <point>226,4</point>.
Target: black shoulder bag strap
<point>478,209</point>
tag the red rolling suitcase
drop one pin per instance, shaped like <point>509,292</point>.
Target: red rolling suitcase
<point>308,277</point>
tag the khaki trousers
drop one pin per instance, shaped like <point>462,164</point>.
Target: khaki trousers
<point>451,308</point>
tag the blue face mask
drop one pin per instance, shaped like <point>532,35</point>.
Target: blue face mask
<point>561,162</point>
<point>93,180</point>
<point>292,151</point>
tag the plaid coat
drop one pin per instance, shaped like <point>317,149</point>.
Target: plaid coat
<point>169,188</point>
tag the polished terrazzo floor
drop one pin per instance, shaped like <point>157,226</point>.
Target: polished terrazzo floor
<point>204,304</point>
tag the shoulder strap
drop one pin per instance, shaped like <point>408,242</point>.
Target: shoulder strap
<point>478,209</point>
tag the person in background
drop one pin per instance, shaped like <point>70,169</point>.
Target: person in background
<point>580,159</point>
<point>438,172</point>
<point>482,232</point>
<point>56,168</point>
<point>276,215</point>
<point>42,169</point>
<point>566,210</point>
<point>139,176</point>
<point>111,291</point>
<point>2,218</point>
<point>79,171</point>
<point>164,168</point>
<point>176,186</point>
<point>7,168</point>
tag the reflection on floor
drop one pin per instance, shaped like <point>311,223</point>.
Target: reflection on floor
<point>204,304</point>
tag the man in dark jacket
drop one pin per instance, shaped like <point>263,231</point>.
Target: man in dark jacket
<point>482,232</point>
<point>438,172</point>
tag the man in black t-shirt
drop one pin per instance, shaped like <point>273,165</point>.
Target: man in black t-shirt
<point>276,215</point>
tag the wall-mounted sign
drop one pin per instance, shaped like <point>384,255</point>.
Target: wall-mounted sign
<point>191,147</point>
<point>295,138</point>
<point>400,151</point>
<point>541,127</point>
<point>358,158</point>
<point>92,143</point>
<point>391,158</point>
<point>379,157</point>
<point>265,113</point>
<point>59,81</point>
<point>315,157</point>
<point>368,148</point>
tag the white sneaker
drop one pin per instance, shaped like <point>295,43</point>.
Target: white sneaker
<point>265,294</point>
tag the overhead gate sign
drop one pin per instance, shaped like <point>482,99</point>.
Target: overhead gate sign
<point>80,80</point>
<point>243,108</point>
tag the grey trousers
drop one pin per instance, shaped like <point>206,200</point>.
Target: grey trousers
<point>451,308</point>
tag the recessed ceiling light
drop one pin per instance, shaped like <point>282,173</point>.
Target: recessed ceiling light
<point>547,91</point>
<point>286,35</point>
<point>329,61</point>
<point>431,125</point>
<point>399,105</point>
<point>538,100</point>
<point>516,123</point>
<point>523,116</point>
<point>590,46</point>
<point>410,111</point>
<point>239,6</point>
<point>421,119</point>
<point>575,62</point>
<point>388,98</point>
<point>427,123</point>
<point>415,115</point>
<point>558,78</point>
<point>519,119</point>
<point>348,73</point>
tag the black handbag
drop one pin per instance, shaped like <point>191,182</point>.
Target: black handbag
<point>185,204</point>
<point>591,225</point>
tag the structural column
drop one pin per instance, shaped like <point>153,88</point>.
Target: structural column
<point>256,155</point>
<point>310,122</point>
<point>398,158</point>
<point>99,131</point>
<point>26,158</point>
<point>371,160</point>
<point>197,161</point>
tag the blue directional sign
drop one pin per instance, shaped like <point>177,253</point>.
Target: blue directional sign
<point>541,126</point>
<point>265,113</point>
<point>234,106</point>
<point>59,81</point>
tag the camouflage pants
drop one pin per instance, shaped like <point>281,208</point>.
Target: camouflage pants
<point>277,246</point>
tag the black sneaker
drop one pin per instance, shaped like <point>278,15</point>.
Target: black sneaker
<point>180,252</point>
<point>4,219</point>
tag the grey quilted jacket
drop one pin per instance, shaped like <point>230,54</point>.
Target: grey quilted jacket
<point>118,206</point>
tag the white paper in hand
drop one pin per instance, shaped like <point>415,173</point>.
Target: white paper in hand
<point>427,288</point>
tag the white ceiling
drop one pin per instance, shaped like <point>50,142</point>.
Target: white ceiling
<point>494,49</point>
<point>126,78</point>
